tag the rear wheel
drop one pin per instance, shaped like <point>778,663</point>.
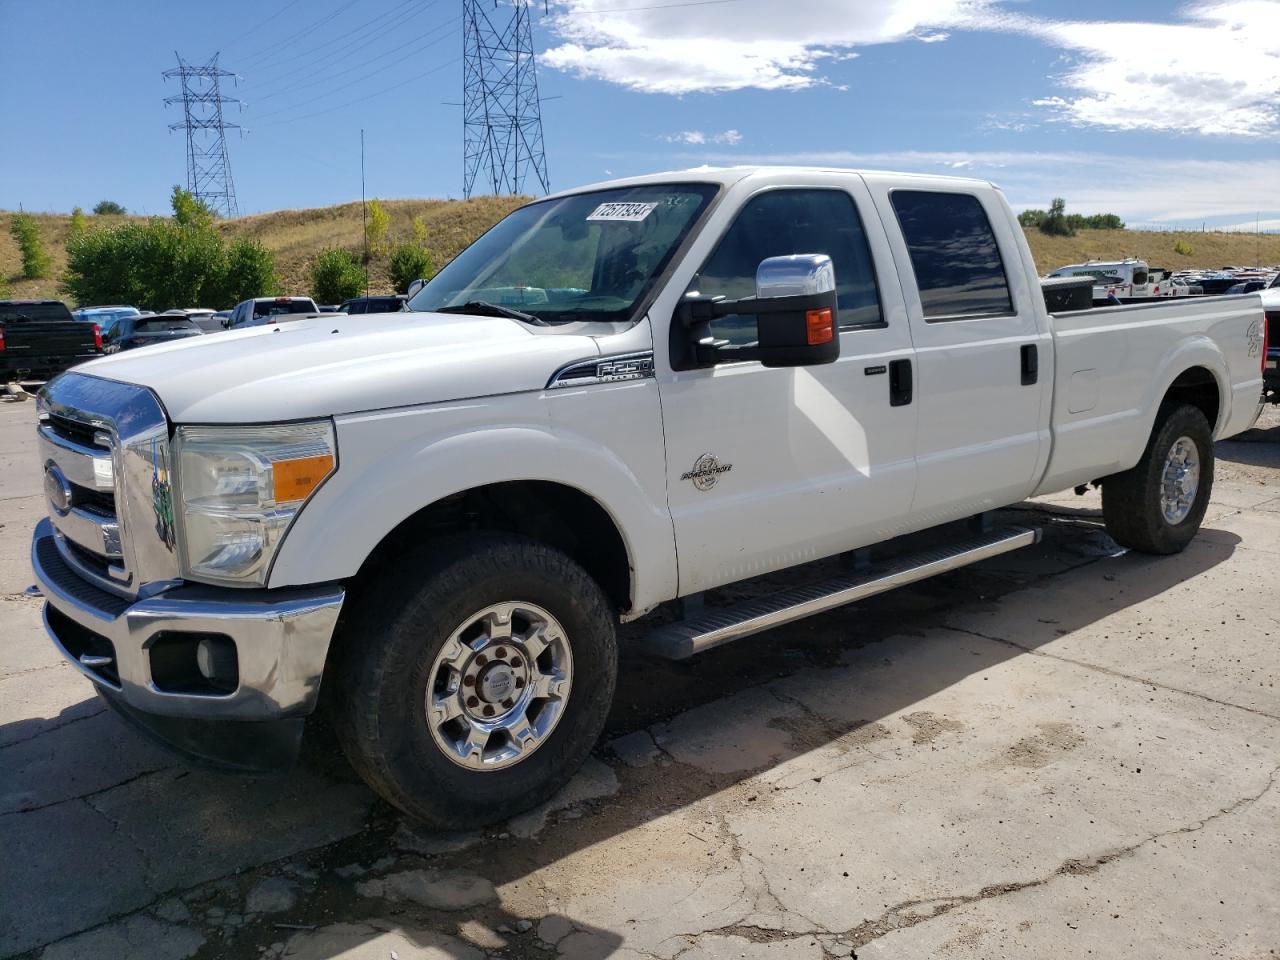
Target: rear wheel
<point>474,681</point>
<point>1157,507</point>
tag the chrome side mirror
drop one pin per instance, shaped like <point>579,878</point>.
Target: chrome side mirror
<point>797,275</point>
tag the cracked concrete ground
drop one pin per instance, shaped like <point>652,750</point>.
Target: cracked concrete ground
<point>1068,750</point>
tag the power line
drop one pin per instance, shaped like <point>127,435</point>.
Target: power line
<point>373,73</point>
<point>399,17</point>
<point>208,168</point>
<point>376,93</point>
<point>304,32</point>
<point>363,66</point>
<point>656,6</point>
<point>263,23</point>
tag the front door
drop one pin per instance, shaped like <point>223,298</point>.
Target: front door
<point>768,468</point>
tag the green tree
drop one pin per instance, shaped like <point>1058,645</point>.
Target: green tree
<point>1055,221</point>
<point>187,210</point>
<point>335,276</point>
<point>108,207</point>
<point>1031,218</point>
<point>79,225</point>
<point>408,262</point>
<point>35,260</point>
<point>375,229</point>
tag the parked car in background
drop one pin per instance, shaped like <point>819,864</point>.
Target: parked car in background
<point>264,310</point>
<point>328,308</point>
<point>41,338</point>
<point>388,303</point>
<point>133,332</point>
<point>224,319</point>
<point>1249,286</point>
<point>106,316</point>
<point>204,317</point>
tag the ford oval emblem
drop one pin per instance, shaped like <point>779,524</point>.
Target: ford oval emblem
<point>57,490</point>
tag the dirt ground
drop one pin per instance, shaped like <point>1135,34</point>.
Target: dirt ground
<point>1066,751</point>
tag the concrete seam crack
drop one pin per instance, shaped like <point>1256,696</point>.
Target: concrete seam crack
<point>1109,672</point>
<point>85,796</point>
<point>47,730</point>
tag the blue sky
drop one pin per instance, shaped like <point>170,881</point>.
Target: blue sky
<point>1166,115</point>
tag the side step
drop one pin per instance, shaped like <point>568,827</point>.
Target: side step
<point>676,641</point>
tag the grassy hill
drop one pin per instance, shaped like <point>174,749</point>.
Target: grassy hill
<point>297,235</point>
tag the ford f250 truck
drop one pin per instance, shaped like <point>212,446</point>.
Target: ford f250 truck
<point>432,522</point>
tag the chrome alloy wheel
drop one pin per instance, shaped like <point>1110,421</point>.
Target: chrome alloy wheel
<point>1180,480</point>
<point>499,686</point>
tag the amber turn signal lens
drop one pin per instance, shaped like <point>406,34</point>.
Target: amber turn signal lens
<point>819,325</point>
<point>295,479</point>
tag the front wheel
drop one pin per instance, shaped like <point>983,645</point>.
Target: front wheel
<point>473,682</point>
<point>1157,507</point>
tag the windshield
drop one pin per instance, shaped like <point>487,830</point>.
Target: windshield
<point>586,257</point>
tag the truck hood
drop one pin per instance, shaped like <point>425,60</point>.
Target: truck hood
<point>334,364</point>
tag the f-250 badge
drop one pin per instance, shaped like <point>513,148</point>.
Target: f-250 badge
<point>706,471</point>
<point>1253,337</point>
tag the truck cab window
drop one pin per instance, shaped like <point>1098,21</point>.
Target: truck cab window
<point>783,222</point>
<point>953,253</point>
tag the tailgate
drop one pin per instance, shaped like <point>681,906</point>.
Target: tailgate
<point>36,342</point>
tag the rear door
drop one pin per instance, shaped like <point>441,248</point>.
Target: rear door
<point>983,351</point>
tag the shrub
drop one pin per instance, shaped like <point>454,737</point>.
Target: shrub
<point>1183,248</point>
<point>1031,218</point>
<point>408,262</point>
<point>79,224</point>
<point>375,228</point>
<point>108,206</point>
<point>250,272</point>
<point>336,276</point>
<point>4,287</point>
<point>180,262</point>
<point>35,261</point>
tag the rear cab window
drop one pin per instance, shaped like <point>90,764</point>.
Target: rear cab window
<point>784,222</point>
<point>959,271</point>
<point>272,308</point>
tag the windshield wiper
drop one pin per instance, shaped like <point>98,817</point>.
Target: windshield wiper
<point>485,308</point>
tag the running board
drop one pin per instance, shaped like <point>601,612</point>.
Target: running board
<point>682,639</point>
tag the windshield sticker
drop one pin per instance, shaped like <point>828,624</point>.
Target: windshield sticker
<point>634,212</point>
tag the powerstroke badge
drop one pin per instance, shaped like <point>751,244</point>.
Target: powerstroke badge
<point>706,471</point>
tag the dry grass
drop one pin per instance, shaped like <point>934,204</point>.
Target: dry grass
<point>297,235</point>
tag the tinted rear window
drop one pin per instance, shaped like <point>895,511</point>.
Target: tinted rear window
<point>161,324</point>
<point>953,253</point>
<point>19,312</point>
<point>270,308</point>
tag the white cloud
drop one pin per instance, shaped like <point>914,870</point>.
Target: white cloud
<point>1142,190</point>
<point>1212,68</point>
<point>1217,72</point>
<point>698,137</point>
<point>733,46</point>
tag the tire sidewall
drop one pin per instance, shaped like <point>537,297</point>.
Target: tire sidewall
<point>424,780</point>
<point>1186,421</point>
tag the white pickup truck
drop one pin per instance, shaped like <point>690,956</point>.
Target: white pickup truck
<point>432,522</point>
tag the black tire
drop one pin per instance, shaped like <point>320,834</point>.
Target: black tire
<point>381,674</point>
<point>1131,500</point>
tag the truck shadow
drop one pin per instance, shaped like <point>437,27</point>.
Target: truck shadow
<point>190,831</point>
<point>1259,447</point>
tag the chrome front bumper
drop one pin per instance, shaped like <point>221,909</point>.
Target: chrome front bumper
<point>281,639</point>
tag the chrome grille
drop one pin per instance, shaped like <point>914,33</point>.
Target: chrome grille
<point>105,447</point>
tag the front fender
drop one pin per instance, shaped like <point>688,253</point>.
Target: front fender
<point>392,464</point>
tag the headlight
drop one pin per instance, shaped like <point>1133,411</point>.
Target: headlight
<point>240,488</point>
